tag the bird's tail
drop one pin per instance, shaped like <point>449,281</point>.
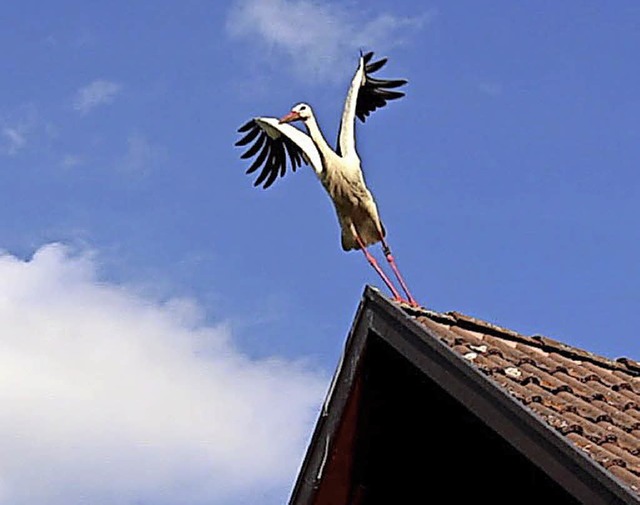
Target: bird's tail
<point>367,230</point>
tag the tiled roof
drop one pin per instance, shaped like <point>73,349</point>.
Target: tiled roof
<point>592,401</point>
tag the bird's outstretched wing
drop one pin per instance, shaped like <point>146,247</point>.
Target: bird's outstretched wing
<point>375,93</point>
<point>272,144</point>
<point>365,95</point>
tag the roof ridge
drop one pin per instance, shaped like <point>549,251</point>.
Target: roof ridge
<point>542,342</point>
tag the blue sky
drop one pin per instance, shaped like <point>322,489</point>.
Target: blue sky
<point>140,257</point>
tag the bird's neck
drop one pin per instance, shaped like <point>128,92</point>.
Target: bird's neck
<point>316,135</point>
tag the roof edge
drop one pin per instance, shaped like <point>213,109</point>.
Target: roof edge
<point>542,342</point>
<point>332,410</point>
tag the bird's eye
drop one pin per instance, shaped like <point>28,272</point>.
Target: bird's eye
<point>304,107</point>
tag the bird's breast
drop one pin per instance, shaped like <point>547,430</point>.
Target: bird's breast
<point>345,185</point>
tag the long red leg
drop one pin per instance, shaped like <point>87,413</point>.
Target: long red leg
<point>396,271</point>
<point>372,261</point>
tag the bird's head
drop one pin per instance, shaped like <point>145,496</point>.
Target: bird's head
<point>299,112</point>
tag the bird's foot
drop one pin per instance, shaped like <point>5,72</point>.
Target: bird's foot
<point>410,300</point>
<point>406,301</point>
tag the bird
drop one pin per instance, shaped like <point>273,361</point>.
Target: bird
<point>276,145</point>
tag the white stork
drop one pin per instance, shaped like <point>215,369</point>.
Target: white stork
<point>339,171</point>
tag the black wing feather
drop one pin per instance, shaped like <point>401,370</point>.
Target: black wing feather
<point>375,93</point>
<point>294,157</point>
<point>257,163</point>
<point>375,66</point>
<point>273,175</point>
<point>257,145</point>
<point>282,160</point>
<point>272,153</point>
<point>393,83</point>
<point>267,169</point>
<point>383,94</point>
<point>246,127</point>
<point>248,137</point>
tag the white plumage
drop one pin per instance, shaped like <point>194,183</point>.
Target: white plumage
<point>274,140</point>
<point>339,170</point>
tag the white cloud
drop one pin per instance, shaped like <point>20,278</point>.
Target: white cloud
<point>491,88</point>
<point>96,93</point>
<point>17,129</point>
<point>71,161</point>
<point>140,155</point>
<point>14,139</point>
<point>319,38</point>
<point>108,397</point>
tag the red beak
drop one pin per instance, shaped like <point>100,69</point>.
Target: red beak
<point>292,116</point>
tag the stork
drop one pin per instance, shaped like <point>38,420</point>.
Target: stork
<point>338,170</point>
